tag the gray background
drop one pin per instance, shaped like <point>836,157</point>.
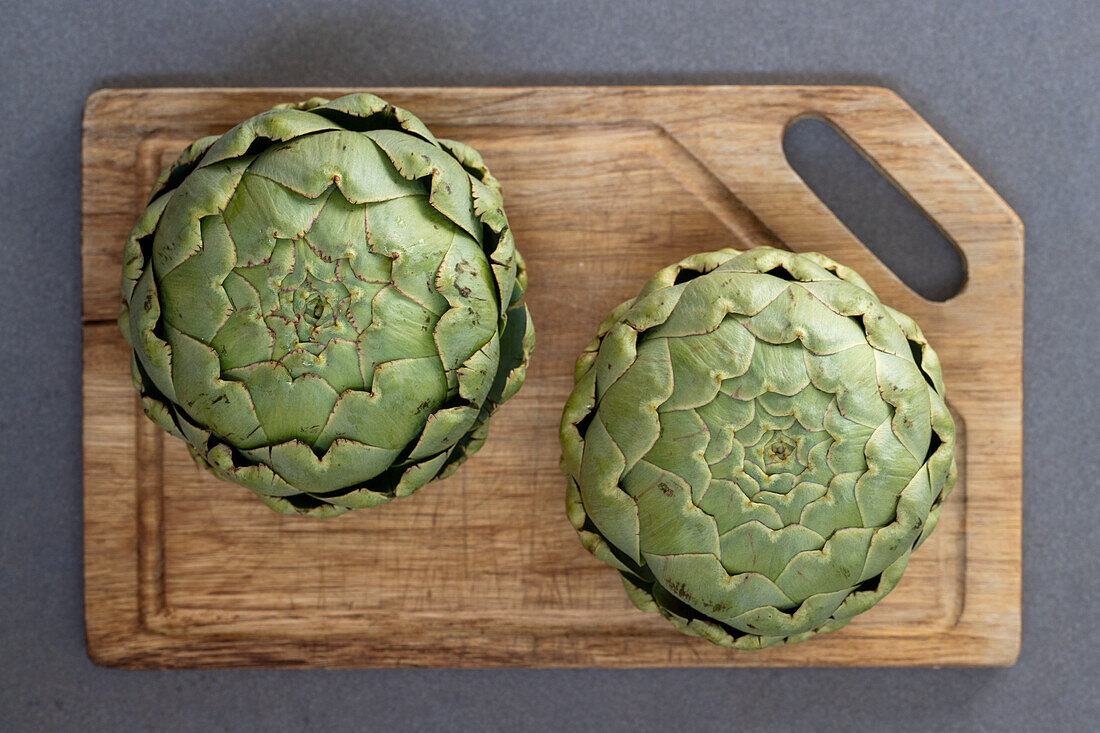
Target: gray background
<point>1012,85</point>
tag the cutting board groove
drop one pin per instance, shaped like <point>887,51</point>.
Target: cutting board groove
<point>603,187</point>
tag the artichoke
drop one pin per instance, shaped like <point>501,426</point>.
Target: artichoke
<point>324,304</point>
<point>757,444</point>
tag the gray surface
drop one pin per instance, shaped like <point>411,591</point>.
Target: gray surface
<point>1012,85</point>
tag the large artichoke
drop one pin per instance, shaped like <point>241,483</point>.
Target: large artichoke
<point>757,444</point>
<point>324,303</point>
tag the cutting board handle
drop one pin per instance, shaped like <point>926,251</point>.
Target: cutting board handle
<point>922,165</point>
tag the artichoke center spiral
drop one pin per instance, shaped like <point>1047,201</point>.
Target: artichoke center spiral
<point>765,443</point>
<point>316,303</point>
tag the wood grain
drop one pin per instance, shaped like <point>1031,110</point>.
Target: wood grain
<point>603,187</point>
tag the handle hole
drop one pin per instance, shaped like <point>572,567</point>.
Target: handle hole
<point>874,209</point>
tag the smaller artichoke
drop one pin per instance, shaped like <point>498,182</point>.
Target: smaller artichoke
<point>757,444</point>
<point>324,304</point>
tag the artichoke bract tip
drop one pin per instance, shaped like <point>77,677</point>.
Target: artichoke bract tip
<point>757,444</point>
<point>325,303</point>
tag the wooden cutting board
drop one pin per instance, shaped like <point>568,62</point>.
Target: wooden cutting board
<point>603,187</point>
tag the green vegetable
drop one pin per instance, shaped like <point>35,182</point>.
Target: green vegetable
<point>757,444</point>
<point>324,304</point>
